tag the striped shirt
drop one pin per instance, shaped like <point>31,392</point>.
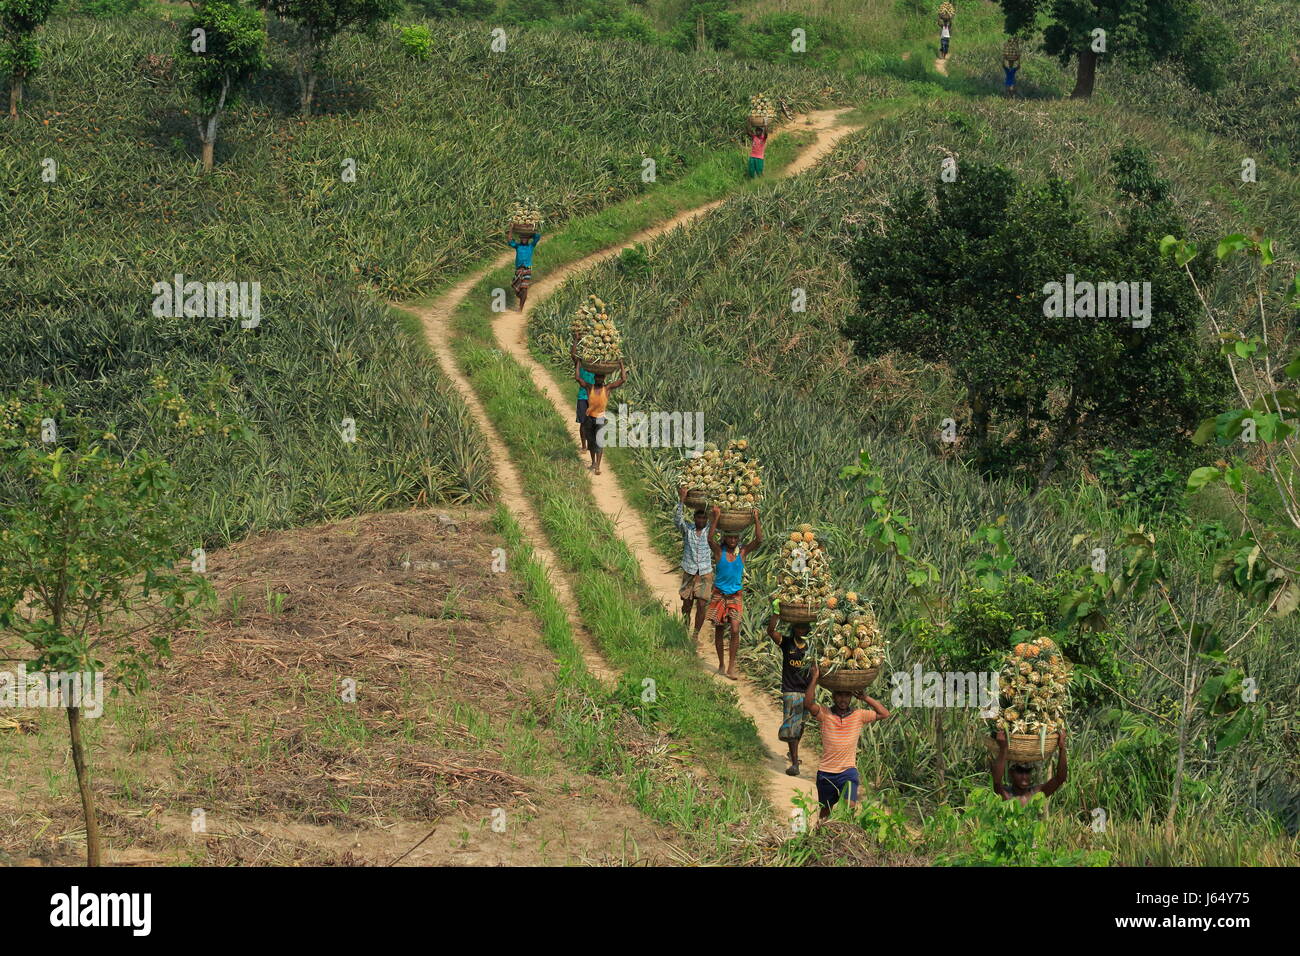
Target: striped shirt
<point>696,556</point>
<point>840,737</point>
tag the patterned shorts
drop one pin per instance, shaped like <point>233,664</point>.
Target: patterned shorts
<point>696,586</point>
<point>791,717</point>
<point>523,278</point>
<point>725,607</point>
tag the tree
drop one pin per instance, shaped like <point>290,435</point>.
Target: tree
<point>88,541</point>
<point>20,53</point>
<point>969,280</point>
<point>224,46</point>
<point>314,25</point>
<point>1142,31</point>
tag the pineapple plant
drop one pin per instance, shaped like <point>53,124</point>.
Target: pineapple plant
<point>847,635</point>
<point>803,574</point>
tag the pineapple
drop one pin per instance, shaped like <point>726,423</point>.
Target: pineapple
<point>848,635</point>
<point>947,11</point>
<point>525,210</point>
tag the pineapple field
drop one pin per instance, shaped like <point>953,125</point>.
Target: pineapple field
<point>284,462</point>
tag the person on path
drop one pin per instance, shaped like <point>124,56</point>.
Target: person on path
<point>758,146</point>
<point>1022,786</point>
<point>945,33</point>
<point>795,675</point>
<point>1010,65</point>
<point>725,605</point>
<point>841,726</point>
<point>697,563</point>
<point>585,378</point>
<point>597,402</point>
<point>523,264</point>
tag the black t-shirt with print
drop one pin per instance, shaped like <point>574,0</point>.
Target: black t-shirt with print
<point>795,672</point>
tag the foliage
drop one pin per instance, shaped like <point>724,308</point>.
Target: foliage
<point>1136,481</point>
<point>417,42</point>
<point>998,832</point>
<point>20,51</point>
<point>231,48</point>
<point>962,280</point>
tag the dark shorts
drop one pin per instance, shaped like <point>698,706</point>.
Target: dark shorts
<point>589,427</point>
<point>582,411</point>
<point>943,44</point>
<point>831,785</point>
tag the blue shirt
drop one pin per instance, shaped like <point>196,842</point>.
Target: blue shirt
<point>589,378</point>
<point>730,574</point>
<point>524,251</point>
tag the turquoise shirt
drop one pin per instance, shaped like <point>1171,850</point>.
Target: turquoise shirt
<point>524,250</point>
<point>729,575</point>
<point>589,378</point>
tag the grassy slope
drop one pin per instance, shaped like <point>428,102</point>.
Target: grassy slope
<point>720,338</point>
<point>440,147</point>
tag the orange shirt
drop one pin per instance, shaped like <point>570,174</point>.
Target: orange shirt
<point>597,400</point>
<point>840,737</point>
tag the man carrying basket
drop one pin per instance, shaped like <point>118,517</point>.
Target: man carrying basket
<point>597,402</point>
<point>697,562</point>
<point>1022,788</point>
<point>795,678</point>
<point>728,582</point>
<point>841,726</point>
<point>524,247</point>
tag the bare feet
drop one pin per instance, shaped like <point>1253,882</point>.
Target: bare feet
<point>793,769</point>
<point>731,675</point>
<point>597,469</point>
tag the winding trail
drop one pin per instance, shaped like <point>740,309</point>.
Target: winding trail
<point>511,332</point>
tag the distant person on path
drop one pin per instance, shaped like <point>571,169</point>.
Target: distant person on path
<point>597,402</point>
<point>1022,787</point>
<point>697,563</point>
<point>945,33</point>
<point>841,727</point>
<point>585,378</point>
<point>795,675</point>
<point>1010,66</point>
<point>758,146</point>
<point>523,264</point>
<point>728,582</point>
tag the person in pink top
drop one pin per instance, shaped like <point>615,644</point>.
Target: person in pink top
<point>758,138</point>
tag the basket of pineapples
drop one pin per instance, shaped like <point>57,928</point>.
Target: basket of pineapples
<point>761,111</point>
<point>586,318</point>
<point>600,351</point>
<point>849,643</point>
<point>1011,50</point>
<point>803,577</point>
<point>697,476</point>
<point>947,12</point>
<point>737,486</point>
<point>525,216</point>
<point>1033,689</point>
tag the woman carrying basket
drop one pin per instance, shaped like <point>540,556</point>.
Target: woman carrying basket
<point>523,264</point>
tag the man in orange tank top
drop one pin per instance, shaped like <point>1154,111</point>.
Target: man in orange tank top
<point>841,725</point>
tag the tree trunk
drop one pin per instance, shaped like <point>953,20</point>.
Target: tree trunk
<point>1087,75</point>
<point>306,91</point>
<point>15,95</point>
<point>701,44</point>
<point>83,784</point>
<point>939,765</point>
<point>208,146</point>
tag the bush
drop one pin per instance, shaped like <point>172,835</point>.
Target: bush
<point>1136,480</point>
<point>417,42</point>
<point>963,279</point>
<point>1001,832</point>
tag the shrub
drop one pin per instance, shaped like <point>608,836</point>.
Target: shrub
<point>1001,832</point>
<point>1136,480</point>
<point>417,42</point>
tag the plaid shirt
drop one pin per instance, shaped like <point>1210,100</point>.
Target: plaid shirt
<point>696,556</point>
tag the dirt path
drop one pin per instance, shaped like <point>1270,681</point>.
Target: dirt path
<point>511,333</point>
<point>941,65</point>
<point>437,321</point>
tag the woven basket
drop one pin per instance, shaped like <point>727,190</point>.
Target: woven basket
<point>848,679</point>
<point>599,368</point>
<point>731,521</point>
<point>797,613</point>
<point>1024,748</point>
<point>696,500</point>
<point>758,119</point>
<point>524,228</point>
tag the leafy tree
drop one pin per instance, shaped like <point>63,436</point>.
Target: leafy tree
<point>963,280</point>
<point>224,45</point>
<point>1141,31</point>
<point>314,25</point>
<point>454,9</point>
<point>88,542</point>
<point>20,53</point>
